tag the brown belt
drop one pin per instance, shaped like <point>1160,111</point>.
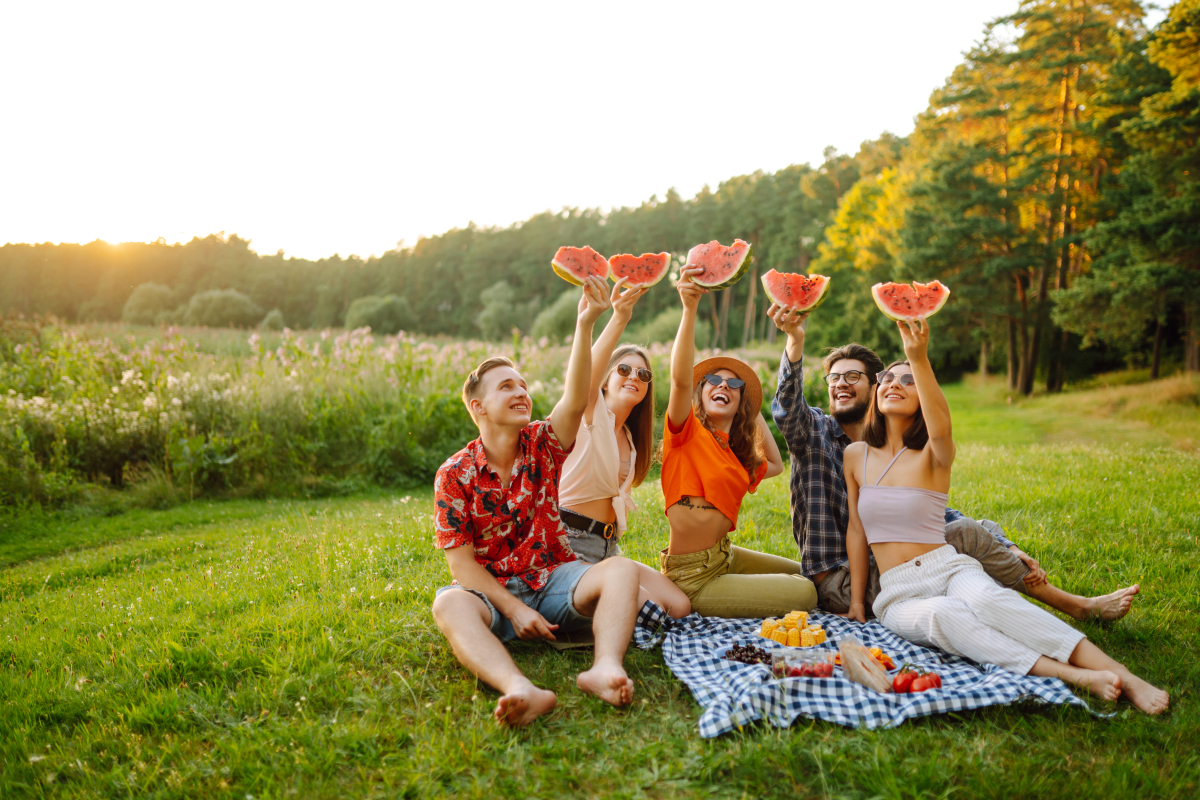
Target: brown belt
<point>588,525</point>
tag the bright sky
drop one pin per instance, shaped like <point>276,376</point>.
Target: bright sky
<point>322,128</point>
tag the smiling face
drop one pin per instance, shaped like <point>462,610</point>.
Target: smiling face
<point>720,403</point>
<point>504,399</point>
<point>894,398</point>
<point>848,402</point>
<point>626,392</point>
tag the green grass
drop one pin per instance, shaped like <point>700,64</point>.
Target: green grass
<point>285,649</point>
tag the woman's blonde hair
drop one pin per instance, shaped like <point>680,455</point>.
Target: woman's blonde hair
<point>641,418</point>
<point>745,439</point>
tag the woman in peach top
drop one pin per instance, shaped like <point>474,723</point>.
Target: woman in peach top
<point>717,447</point>
<point>612,453</point>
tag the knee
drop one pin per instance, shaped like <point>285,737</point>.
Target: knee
<point>619,569</point>
<point>451,606</point>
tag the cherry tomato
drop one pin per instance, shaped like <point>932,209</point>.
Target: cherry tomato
<point>795,672</point>
<point>903,682</point>
<point>922,683</point>
<point>937,680</point>
<point>826,670</point>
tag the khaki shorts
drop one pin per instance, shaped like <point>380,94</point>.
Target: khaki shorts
<point>728,581</point>
<point>969,537</point>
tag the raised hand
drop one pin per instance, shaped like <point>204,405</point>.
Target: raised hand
<point>594,301</point>
<point>623,301</point>
<point>788,321</point>
<point>689,292</point>
<point>915,336</point>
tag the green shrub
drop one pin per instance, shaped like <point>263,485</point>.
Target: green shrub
<point>222,308</point>
<point>386,315</point>
<point>273,321</point>
<point>147,303</point>
<point>664,326</point>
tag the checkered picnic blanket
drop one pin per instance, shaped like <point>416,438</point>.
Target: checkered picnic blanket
<point>735,694</point>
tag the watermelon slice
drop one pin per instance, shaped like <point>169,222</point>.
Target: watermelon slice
<point>723,266</point>
<point>899,301</point>
<point>640,272</point>
<point>575,264</point>
<point>795,292</point>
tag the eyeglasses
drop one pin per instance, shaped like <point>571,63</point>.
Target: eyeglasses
<point>717,380</point>
<point>644,375</point>
<point>906,378</point>
<point>852,377</point>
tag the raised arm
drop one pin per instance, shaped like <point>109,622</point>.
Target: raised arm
<point>683,353</point>
<point>789,408</point>
<point>934,407</point>
<point>774,459</point>
<point>622,306</point>
<point>856,539</point>
<point>567,415</point>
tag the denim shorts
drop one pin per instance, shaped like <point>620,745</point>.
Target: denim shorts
<point>555,601</point>
<point>592,547</point>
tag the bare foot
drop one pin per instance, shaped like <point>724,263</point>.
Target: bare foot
<point>1145,697</point>
<point>608,682</point>
<point>1110,607</point>
<point>1100,682</point>
<point>524,705</point>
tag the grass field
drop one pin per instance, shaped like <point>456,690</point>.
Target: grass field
<point>285,649</point>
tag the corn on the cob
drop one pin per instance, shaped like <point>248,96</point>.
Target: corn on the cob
<point>793,638</point>
<point>779,635</point>
<point>769,624</point>
<point>806,638</point>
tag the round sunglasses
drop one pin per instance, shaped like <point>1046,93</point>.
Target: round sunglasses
<point>906,378</point>
<point>717,380</point>
<point>644,375</point>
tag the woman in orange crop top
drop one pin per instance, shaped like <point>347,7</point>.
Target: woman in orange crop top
<point>717,447</point>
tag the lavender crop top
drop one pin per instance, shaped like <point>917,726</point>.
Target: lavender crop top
<point>901,513</point>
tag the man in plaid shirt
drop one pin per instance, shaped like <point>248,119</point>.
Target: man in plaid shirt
<point>816,442</point>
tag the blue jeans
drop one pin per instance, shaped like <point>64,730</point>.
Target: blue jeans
<point>592,547</point>
<point>555,601</point>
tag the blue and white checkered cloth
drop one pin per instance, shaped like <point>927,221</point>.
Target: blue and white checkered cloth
<point>735,694</point>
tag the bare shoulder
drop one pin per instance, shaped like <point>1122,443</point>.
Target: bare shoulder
<point>852,459</point>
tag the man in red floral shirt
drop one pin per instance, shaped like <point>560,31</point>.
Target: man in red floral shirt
<point>515,576</point>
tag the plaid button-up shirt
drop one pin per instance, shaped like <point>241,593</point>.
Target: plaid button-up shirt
<point>816,444</point>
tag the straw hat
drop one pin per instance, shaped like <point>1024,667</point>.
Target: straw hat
<point>751,392</point>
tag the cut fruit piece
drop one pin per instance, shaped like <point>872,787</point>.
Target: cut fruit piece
<point>795,292</point>
<point>640,272</point>
<point>723,266</point>
<point>575,264</point>
<point>899,301</point>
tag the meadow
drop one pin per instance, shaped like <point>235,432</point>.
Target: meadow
<point>281,646</point>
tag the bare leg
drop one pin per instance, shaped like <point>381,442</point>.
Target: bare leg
<point>1105,684</point>
<point>464,620</point>
<point>1144,696</point>
<point>663,591</point>
<point>609,594</point>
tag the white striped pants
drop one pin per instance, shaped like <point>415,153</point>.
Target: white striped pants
<point>946,600</point>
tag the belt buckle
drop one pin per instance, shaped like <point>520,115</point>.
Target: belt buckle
<point>609,529</point>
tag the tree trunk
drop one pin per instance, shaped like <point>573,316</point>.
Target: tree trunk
<point>983,358</point>
<point>1191,339</point>
<point>723,328</point>
<point>1156,359</point>
<point>716,320</point>
<point>1013,357</point>
<point>748,325</point>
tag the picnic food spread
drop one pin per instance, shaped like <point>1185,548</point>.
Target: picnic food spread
<point>748,654</point>
<point>910,680</point>
<point>792,630</point>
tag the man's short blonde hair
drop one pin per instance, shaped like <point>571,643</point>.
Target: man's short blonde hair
<point>472,385</point>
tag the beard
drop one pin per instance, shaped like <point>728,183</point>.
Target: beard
<point>851,415</point>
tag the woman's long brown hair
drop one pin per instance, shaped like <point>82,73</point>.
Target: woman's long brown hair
<point>641,418</point>
<point>745,439</point>
<point>876,431</point>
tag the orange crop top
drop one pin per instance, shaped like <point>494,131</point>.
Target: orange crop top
<point>696,464</point>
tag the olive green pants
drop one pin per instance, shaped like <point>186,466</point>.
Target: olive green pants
<point>728,581</point>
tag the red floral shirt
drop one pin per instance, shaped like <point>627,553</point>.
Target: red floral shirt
<point>516,532</point>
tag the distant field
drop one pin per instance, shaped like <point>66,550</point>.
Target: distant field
<point>285,648</point>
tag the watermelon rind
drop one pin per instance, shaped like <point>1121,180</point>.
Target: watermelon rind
<point>647,284</point>
<point>563,272</point>
<point>876,295</point>
<point>732,279</point>
<point>766,282</point>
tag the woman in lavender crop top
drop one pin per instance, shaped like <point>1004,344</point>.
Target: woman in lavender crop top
<point>898,480</point>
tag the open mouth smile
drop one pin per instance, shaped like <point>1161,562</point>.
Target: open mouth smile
<point>520,405</point>
<point>840,396</point>
<point>720,397</point>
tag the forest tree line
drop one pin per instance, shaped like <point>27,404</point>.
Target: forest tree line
<point>1052,183</point>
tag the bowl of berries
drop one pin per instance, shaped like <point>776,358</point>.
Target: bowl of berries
<point>806,665</point>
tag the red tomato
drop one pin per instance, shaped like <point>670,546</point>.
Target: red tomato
<point>937,680</point>
<point>903,682</point>
<point>795,672</point>
<point>922,683</point>
<point>826,670</point>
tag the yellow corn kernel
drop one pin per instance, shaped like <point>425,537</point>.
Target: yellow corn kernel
<point>779,635</point>
<point>820,636</point>
<point>806,638</point>
<point>793,638</point>
<point>768,625</point>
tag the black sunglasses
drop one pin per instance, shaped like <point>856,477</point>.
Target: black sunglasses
<point>717,380</point>
<point>644,375</point>
<point>852,377</point>
<point>906,379</point>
